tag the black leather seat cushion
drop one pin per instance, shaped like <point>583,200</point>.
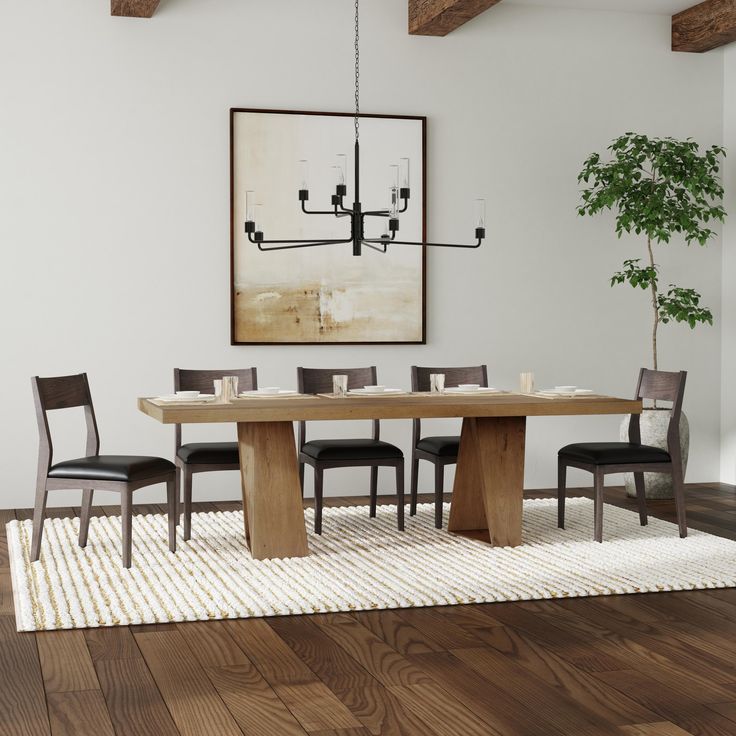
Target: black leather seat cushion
<point>351,450</point>
<point>614,453</point>
<point>442,446</point>
<point>210,453</point>
<point>126,468</point>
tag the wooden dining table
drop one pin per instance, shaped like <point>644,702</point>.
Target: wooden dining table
<point>487,496</point>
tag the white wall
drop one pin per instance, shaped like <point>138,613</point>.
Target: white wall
<point>114,191</point>
<point>728,401</point>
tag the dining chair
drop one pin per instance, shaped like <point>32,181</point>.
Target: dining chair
<point>602,458</point>
<point>205,457</point>
<point>121,473</point>
<point>442,450</point>
<point>346,453</point>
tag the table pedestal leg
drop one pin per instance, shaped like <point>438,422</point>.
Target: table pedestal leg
<point>272,498</point>
<point>487,497</point>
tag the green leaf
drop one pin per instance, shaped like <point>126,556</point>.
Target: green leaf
<point>682,305</point>
<point>657,186</point>
<point>635,275</point>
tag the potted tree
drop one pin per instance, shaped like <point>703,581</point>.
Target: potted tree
<point>658,188</point>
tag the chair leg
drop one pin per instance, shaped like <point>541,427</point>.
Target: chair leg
<point>561,488</point>
<point>679,487</point>
<point>374,490</point>
<point>187,490</point>
<point>400,495</point>
<point>87,495</point>
<point>318,479</point>
<point>301,477</point>
<point>641,497</point>
<point>414,486</point>
<point>178,495</point>
<point>172,493</point>
<point>39,512</point>
<point>439,488</point>
<point>126,513</point>
<point>598,507</point>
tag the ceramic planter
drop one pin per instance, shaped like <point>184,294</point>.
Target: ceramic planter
<point>654,423</point>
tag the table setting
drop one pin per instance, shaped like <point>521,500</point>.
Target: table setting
<point>226,391</point>
<point>184,397</point>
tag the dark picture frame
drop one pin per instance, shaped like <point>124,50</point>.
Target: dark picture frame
<point>250,321</point>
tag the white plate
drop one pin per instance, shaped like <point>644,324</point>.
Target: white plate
<point>480,390</point>
<point>577,392</point>
<point>173,398</point>
<point>366,392</point>
<point>280,392</point>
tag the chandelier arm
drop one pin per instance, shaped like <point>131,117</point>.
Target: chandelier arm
<point>296,244</point>
<point>326,241</point>
<point>369,244</point>
<point>333,211</point>
<point>318,212</point>
<point>428,245</point>
<point>405,207</point>
<point>385,239</point>
<point>377,213</point>
<point>305,242</point>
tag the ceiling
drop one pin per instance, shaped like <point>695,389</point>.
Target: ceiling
<point>665,7</point>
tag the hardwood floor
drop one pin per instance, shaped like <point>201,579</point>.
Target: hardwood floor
<point>637,665</point>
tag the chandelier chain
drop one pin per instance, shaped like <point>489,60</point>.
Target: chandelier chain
<point>357,69</point>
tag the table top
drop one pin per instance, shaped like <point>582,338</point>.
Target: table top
<point>405,406</point>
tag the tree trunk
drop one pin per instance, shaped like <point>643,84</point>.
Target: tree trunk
<point>655,307</point>
<point>653,286</point>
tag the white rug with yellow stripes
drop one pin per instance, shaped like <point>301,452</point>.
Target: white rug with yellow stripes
<point>357,563</point>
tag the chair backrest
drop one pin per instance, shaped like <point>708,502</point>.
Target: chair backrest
<point>453,377</point>
<point>62,392</point>
<point>186,379</point>
<point>661,386</point>
<point>319,381</point>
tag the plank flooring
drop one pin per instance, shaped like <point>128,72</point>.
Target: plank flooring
<point>638,665</point>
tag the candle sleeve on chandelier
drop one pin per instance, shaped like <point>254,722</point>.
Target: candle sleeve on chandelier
<point>303,176</point>
<point>340,168</point>
<point>394,176</point>
<point>480,218</point>
<point>393,209</point>
<point>404,177</point>
<point>250,203</point>
<point>480,213</point>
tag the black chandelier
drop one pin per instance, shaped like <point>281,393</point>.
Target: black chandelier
<point>399,196</point>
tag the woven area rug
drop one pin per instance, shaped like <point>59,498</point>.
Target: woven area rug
<point>357,564</point>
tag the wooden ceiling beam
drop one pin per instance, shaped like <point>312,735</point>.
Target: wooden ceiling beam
<point>440,17</point>
<point>705,26</point>
<point>134,8</point>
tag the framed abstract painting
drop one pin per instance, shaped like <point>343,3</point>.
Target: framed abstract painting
<point>324,295</point>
